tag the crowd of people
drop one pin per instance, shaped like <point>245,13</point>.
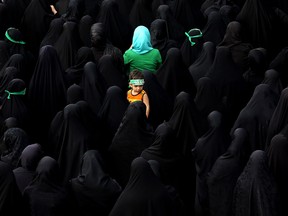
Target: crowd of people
<point>144,107</point>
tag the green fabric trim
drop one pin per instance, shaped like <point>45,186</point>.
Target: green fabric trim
<point>13,41</point>
<point>23,92</point>
<point>137,82</point>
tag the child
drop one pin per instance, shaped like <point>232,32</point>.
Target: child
<point>136,93</point>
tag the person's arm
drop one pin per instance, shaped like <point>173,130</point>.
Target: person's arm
<point>146,102</point>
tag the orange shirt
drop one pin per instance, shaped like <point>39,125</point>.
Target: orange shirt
<point>132,98</point>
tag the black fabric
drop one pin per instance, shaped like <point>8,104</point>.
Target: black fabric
<point>277,154</point>
<point>256,192</point>
<point>141,13</point>
<point>131,138</point>
<point>46,92</point>
<point>85,24</point>
<point>188,126</point>
<point>74,94</point>
<point>256,115</point>
<point>45,195</point>
<point>94,190</point>
<point>74,74</point>
<point>229,82</point>
<point>272,78</point>
<point>206,89</point>
<point>16,106</point>
<point>222,177</point>
<point>68,44</point>
<point>163,151</point>
<point>204,61</point>
<point>94,86</point>
<point>29,159</point>
<point>144,194</point>
<point>174,76</point>
<point>161,103</point>
<point>279,118</point>
<point>191,53</point>
<point>258,64</point>
<point>207,149</point>
<point>175,29</point>
<point>266,26</point>
<point>101,45</point>
<point>75,140</point>
<point>111,74</point>
<point>10,73</point>
<point>11,202</point>
<point>279,63</point>
<point>160,38</point>
<point>111,114</point>
<point>17,61</point>
<point>14,141</point>
<point>35,23</point>
<point>239,49</point>
<point>117,28</point>
<point>215,28</point>
<point>187,14</point>
<point>53,33</point>
<point>4,53</point>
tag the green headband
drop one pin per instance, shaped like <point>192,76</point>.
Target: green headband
<point>194,36</point>
<point>137,82</point>
<point>23,92</point>
<point>12,40</point>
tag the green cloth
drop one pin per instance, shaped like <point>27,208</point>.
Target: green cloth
<point>148,61</point>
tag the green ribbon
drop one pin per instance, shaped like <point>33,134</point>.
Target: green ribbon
<point>23,92</point>
<point>12,40</point>
<point>194,36</point>
<point>137,82</point>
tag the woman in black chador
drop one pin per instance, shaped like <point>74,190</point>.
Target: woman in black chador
<point>132,137</point>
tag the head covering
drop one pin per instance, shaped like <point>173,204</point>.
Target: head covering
<point>10,198</point>
<point>85,24</point>
<point>161,103</point>
<point>68,44</point>
<point>94,86</point>
<point>116,26</point>
<point>111,73</point>
<point>111,114</point>
<point>15,103</point>
<point>45,195</point>
<point>141,40</point>
<point>160,37</point>
<point>277,154</point>
<point>207,149</point>
<point>73,74</point>
<point>47,91</point>
<point>163,151</point>
<point>256,115</point>
<point>175,29</point>
<point>14,140</point>
<point>53,33</point>
<point>95,191</point>
<point>192,46</point>
<point>74,94</point>
<point>279,119</point>
<point>25,172</point>
<point>203,62</point>
<point>10,73</point>
<point>174,76</point>
<point>252,187</point>
<point>141,13</point>
<point>131,138</point>
<point>14,36</point>
<point>222,177</point>
<point>144,194</point>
